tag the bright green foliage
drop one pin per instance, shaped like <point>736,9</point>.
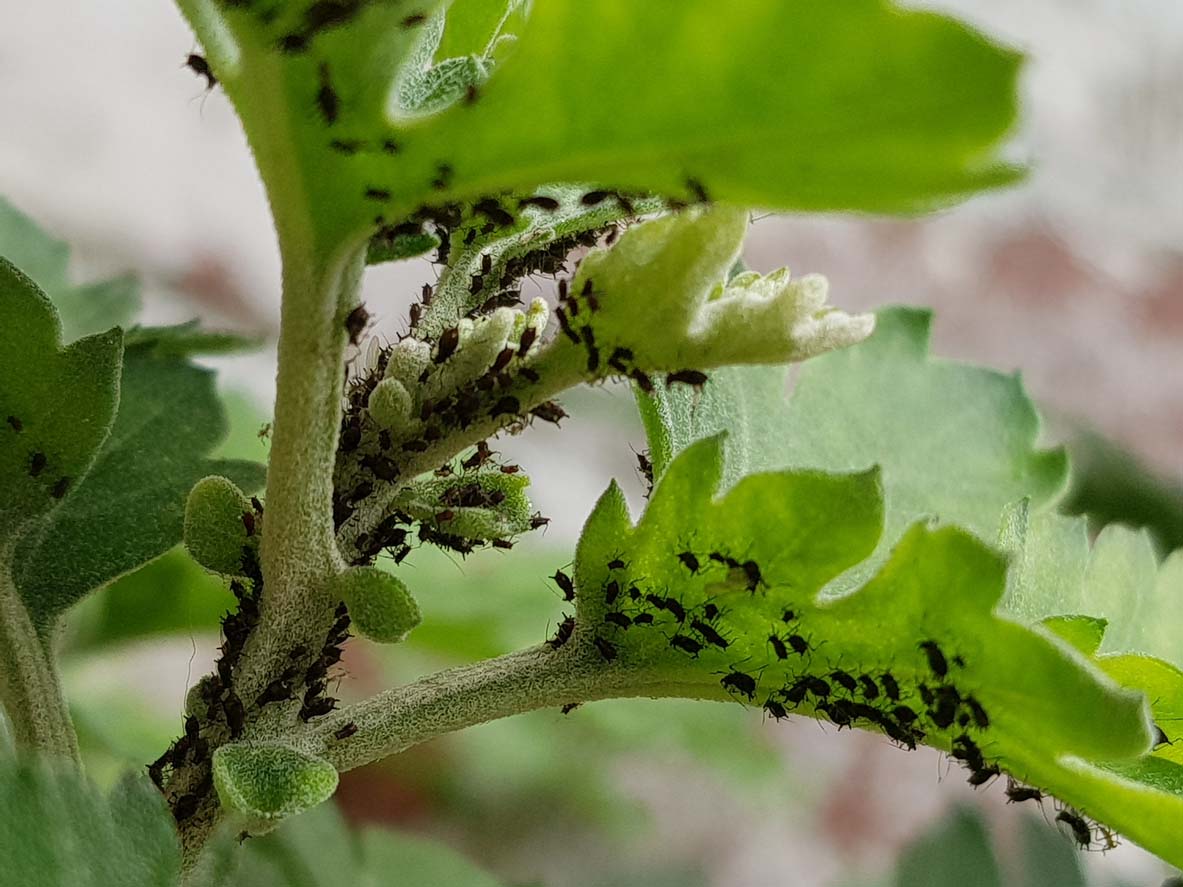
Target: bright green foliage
<point>1043,702</point>
<point>318,850</point>
<point>881,109</point>
<point>130,508</point>
<point>216,517</point>
<point>380,605</point>
<point>955,442</point>
<point>661,298</point>
<point>269,780</point>
<point>56,827</point>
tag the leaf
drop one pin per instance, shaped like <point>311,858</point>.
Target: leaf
<point>760,554</point>
<point>473,27</point>
<point>316,849</point>
<point>186,340</point>
<point>130,508</point>
<point>956,851</point>
<point>269,780</point>
<point>954,441</point>
<point>84,310</point>
<point>661,303</point>
<point>56,827</point>
<point>876,109</point>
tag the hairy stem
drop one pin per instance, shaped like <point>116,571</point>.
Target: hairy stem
<point>29,688</point>
<point>538,677</point>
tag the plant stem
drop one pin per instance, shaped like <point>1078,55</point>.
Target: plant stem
<point>451,700</point>
<point>29,686</point>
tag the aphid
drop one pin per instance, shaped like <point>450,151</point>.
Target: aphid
<point>563,634</point>
<point>471,94</point>
<point>156,769</point>
<point>529,334</point>
<point>330,13</point>
<point>326,97</point>
<point>816,686</point>
<point>537,521</point>
<point>1016,793</point>
<point>643,619</point>
<point>980,717</point>
<point>248,522</point>
<point>347,147</point>
<point>1160,737</point>
<point>346,731</point>
<point>709,634</point>
<point>415,446</point>
<point>443,177</point>
<point>796,693</point>
<point>616,564</point>
<point>965,749</point>
<point>563,581</point>
<point>201,68</point>
<point>565,324</point>
<point>775,709</point>
<point>686,644</point>
<point>904,714</point>
<point>293,43</point>
<point>890,687</point>
<point>276,691</point>
<point>317,707</point>
<point>16,424</point>
<point>382,467</point>
<point>844,680</point>
<point>752,571</point>
<point>983,775</point>
<point>840,711</point>
<point>185,806</point>
<point>606,648</point>
<point>592,198</point>
<point>799,644</point>
<point>944,713</point>
<point>373,193</point>
<point>778,647</point>
<point>788,616</point>
<point>389,146</point>
<point>689,561</point>
<point>675,609</point>
<point>449,340</point>
<point>570,707</point>
<point>37,463</point>
<point>869,688</point>
<point>235,713</point>
<point>1081,833</point>
<point>693,378</point>
<point>936,659</point>
<point>643,381</point>
<point>355,323</point>
<point>549,411</point>
<point>695,187</point>
<point>442,517</point>
<point>618,619</point>
<point>507,405</point>
<point>549,204</point>
<point>413,21</point>
<point>611,592</point>
<point>60,487</point>
<point>738,682</point>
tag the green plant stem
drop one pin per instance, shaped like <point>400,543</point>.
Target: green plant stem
<point>29,686</point>
<point>461,697</point>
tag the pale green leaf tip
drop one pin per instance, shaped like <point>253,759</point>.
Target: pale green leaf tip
<point>1084,633</point>
<point>380,605</point>
<point>269,780</point>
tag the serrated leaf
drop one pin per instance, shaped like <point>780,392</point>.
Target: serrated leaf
<point>269,780</point>
<point>56,828</point>
<point>955,442</point>
<point>767,546</point>
<point>84,310</point>
<point>882,109</point>
<point>130,508</point>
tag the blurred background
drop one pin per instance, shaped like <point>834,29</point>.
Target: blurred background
<point>1076,278</point>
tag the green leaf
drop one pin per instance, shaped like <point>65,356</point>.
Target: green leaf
<point>269,780</point>
<point>84,310</point>
<point>472,27</point>
<point>130,508</point>
<point>956,851</point>
<point>380,605</point>
<point>186,340</point>
<point>760,554</point>
<point>317,849</point>
<point>954,441</point>
<point>662,301</point>
<point>879,109</point>
<point>56,828</point>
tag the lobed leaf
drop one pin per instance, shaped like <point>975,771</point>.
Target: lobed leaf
<point>955,442</point>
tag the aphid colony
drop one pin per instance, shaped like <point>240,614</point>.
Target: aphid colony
<point>217,711</point>
<point>848,697</point>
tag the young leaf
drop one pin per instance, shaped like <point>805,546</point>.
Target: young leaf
<point>269,780</point>
<point>381,607</point>
<point>130,508</point>
<point>954,441</point>
<point>56,827</point>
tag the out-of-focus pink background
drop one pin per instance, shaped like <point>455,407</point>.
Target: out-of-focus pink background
<point>1076,277</point>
